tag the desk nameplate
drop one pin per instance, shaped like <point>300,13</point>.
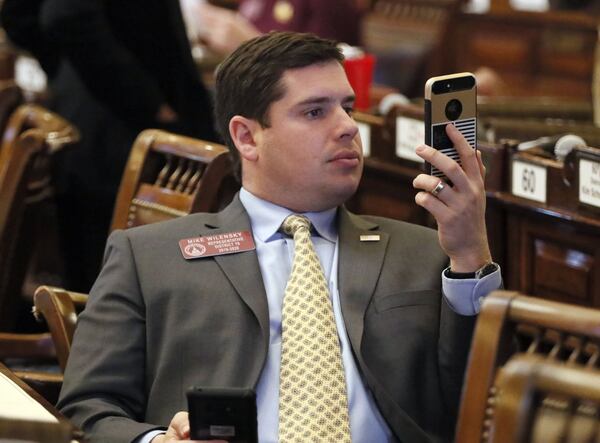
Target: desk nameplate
<point>410,133</point>
<point>588,178</point>
<point>364,130</point>
<point>529,181</point>
<point>589,182</point>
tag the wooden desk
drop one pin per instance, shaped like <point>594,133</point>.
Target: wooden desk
<point>27,415</point>
<point>550,252</point>
<point>535,53</point>
<point>549,249</point>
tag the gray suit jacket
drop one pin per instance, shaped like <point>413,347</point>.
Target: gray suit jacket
<point>157,324</point>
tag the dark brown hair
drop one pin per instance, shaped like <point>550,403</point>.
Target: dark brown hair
<point>248,81</point>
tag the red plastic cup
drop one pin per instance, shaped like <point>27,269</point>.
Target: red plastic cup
<point>360,75</point>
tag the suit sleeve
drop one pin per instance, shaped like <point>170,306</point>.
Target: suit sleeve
<point>104,386</point>
<point>82,32</point>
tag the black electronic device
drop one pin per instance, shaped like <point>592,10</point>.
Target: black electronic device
<point>222,414</point>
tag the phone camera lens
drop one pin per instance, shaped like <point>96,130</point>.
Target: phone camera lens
<point>448,85</point>
<point>453,109</point>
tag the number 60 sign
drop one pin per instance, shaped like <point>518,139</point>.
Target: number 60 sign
<point>529,181</point>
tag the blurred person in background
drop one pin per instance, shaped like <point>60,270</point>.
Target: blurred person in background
<point>116,68</point>
<point>223,30</point>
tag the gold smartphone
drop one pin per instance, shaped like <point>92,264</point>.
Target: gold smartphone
<point>450,99</point>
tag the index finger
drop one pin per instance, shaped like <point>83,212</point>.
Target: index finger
<point>467,153</point>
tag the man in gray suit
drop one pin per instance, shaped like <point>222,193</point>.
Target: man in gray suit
<point>198,300</point>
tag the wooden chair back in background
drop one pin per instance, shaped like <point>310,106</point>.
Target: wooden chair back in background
<point>59,308</point>
<point>511,323</point>
<point>31,137</point>
<point>543,401</point>
<point>169,176</point>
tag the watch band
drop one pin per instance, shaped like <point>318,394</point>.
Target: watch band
<point>486,269</point>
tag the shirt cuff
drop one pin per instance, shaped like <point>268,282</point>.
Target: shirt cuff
<point>466,295</point>
<point>148,436</point>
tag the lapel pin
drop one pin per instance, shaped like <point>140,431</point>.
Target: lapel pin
<point>370,237</point>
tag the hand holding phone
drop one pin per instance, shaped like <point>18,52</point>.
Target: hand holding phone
<point>458,201</point>
<point>450,99</point>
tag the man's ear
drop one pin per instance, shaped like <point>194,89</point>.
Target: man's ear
<point>243,132</point>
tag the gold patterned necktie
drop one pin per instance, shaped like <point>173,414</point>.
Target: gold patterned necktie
<point>313,405</point>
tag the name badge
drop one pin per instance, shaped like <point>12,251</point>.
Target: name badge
<point>529,181</point>
<point>218,244</point>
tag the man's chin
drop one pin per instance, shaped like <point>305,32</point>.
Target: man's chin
<point>343,194</point>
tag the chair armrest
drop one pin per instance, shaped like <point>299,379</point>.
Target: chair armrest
<point>28,346</point>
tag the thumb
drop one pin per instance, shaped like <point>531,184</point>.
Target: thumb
<point>180,426</point>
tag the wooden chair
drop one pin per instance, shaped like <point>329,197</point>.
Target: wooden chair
<point>59,308</point>
<point>31,137</point>
<point>168,176</point>
<point>511,323</point>
<point>541,401</point>
<point>34,355</point>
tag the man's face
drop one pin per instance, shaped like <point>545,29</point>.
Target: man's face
<point>310,156</point>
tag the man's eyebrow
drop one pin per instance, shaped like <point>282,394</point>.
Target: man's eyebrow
<point>323,99</point>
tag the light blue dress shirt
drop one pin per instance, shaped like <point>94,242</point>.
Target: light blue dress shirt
<point>275,253</point>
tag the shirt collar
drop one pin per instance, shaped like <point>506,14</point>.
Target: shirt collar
<point>266,218</point>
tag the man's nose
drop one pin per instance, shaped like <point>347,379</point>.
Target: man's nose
<point>347,126</point>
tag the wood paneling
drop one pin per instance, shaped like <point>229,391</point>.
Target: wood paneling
<point>536,54</point>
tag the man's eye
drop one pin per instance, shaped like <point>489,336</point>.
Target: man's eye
<point>314,113</point>
<point>349,110</point>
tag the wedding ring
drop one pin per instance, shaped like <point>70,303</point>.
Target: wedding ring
<point>435,191</point>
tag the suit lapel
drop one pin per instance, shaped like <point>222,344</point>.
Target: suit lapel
<point>359,267</point>
<point>242,269</point>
